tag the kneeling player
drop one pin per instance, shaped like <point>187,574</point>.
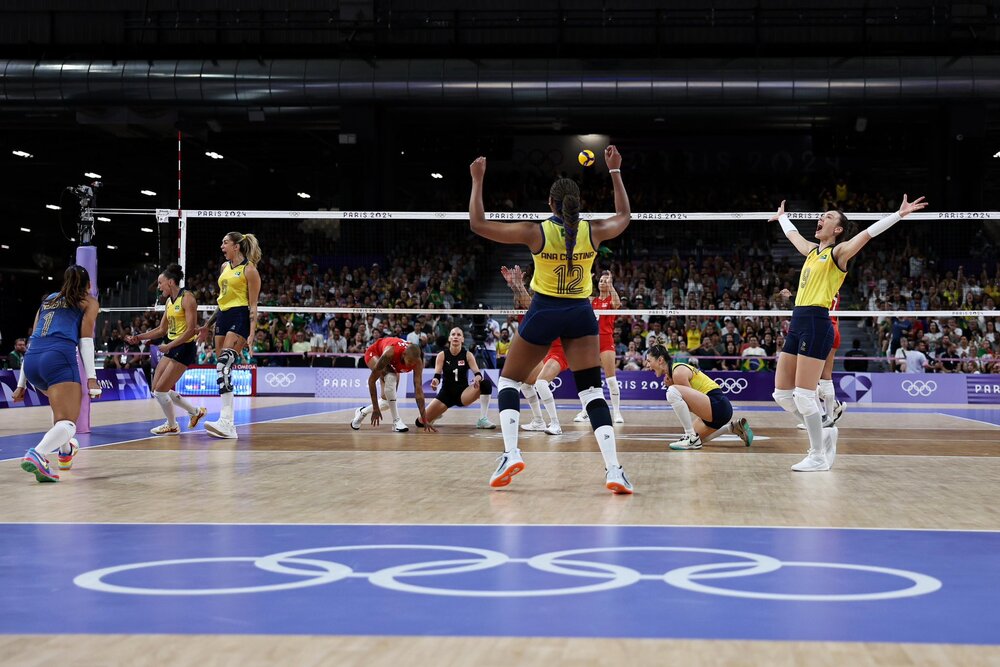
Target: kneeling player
<point>451,374</point>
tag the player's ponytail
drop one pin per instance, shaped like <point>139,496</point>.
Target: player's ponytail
<point>174,272</point>
<point>75,287</point>
<point>566,194</point>
<point>849,230</point>
<point>248,244</point>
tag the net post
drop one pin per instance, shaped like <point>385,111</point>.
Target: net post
<point>86,256</point>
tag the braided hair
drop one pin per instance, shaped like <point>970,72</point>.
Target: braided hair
<point>566,194</point>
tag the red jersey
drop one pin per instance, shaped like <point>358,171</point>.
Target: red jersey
<point>835,306</point>
<point>606,323</point>
<point>398,346</point>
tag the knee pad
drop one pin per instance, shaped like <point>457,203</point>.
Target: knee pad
<point>224,367</point>
<point>674,395</point>
<point>588,378</point>
<point>614,388</point>
<point>785,398</point>
<point>543,391</point>
<point>527,389</point>
<point>507,383</point>
<point>805,401</point>
<point>389,386</point>
<point>485,386</point>
<point>827,390</point>
<point>597,408</point>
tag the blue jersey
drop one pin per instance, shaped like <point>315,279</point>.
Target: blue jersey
<point>57,322</point>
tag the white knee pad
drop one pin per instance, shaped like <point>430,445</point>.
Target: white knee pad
<point>527,389</point>
<point>674,395</point>
<point>162,397</point>
<point>614,388</point>
<point>826,390</point>
<point>507,383</point>
<point>590,394</point>
<point>542,387</point>
<point>389,386</point>
<point>805,401</point>
<point>785,398</point>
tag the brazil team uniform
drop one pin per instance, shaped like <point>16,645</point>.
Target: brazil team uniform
<point>561,306</point>
<point>51,357</point>
<point>185,353</point>
<point>455,379</point>
<point>234,301</point>
<point>811,332</point>
<point>722,409</point>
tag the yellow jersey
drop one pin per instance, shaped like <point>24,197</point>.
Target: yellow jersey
<point>699,381</point>
<point>176,317</point>
<point>233,291</point>
<point>552,275</point>
<point>820,279</point>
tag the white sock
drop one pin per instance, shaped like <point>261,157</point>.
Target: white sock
<point>532,397</point>
<point>728,428</point>
<point>227,406</point>
<point>681,410</point>
<point>828,394</point>
<point>183,403</point>
<point>806,402</point>
<point>606,441</point>
<point>383,405</point>
<point>484,405</point>
<point>544,393</point>
<point>163,398</point>
<point>56,437</point>
<point>393,410</point>
<point>509,420</point>
<point>616,395</point>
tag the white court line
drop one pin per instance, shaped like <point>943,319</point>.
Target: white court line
<point>493,525</point>
<point>968,419</point>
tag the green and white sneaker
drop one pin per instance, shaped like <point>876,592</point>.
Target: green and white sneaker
<point>485,423</point>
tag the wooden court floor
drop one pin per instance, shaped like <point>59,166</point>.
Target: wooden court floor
<point>899,469</point>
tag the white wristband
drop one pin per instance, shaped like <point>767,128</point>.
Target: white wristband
<point>22,381</point>
<point>614,171</point>
<point>883,224</point>
<point>87,355</point>
<point>786,225</point>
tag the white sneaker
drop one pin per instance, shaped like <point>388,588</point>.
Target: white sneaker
<point>223,428</point>
<point>619,419</point>
<point>510,463</point>
<point>484,422</point>
<point>166,429</point>
<point>555,428</point>
<point>359,416</point>
<point>399,426</point>
<point>687,442</point>
<point>534,425</point>
<point>582,416</point>
<point>813,462</point>
<point>617,482</point>
<point>801,427</point>
<point>830,444</point>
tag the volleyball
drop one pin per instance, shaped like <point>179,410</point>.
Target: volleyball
<point>586,158</point>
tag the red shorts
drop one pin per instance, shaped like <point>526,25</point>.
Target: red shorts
<point>558,356</point>
<point>607,343</point>
<point>836,334</point>
<point>373,354</point>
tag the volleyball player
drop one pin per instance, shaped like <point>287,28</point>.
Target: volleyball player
<point>451,374</point>
<point>180,326</point>
<point>387,358</point>
<point>64,323</point>
<point>607,299</point>
<point>563,248</point>
<point>810,334</point>
<point>689,391</point>
<point>235,319</point>
<point>827,393</point>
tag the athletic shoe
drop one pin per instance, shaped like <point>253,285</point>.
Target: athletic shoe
<point>801,427</point>
<point>38,465</point>
<point>485,423</point>
<point>617,482</point>
<point>813,462</point>
<point>399,426</point>
<point>554,428</point>
<point>223,428</point>
<point>741,427</point>
<point>619,419</point>
<point>687,442</point>
<point>534,425</point>
<point>511,463</point>
<point>66,460</point>
<point>582,416</point>
<point>197,417</point>
<point>838,412</point>
<point>830,444</point>
<point>359,417</point>
<point>166,429</point>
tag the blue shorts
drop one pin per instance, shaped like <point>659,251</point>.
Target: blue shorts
<point>810,333</point>
<point>236,319</point>
<point>550,317</point>
<point>186,354</point>
<point>722,409</point>
<point>50,364</point>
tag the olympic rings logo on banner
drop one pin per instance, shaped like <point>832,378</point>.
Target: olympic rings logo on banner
<point>919,387</point>
<point>279,379</point>
<point>599,575</point>
<point>556,383</point>
<point>732,385</point>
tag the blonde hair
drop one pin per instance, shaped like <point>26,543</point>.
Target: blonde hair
<point>248,246</point>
